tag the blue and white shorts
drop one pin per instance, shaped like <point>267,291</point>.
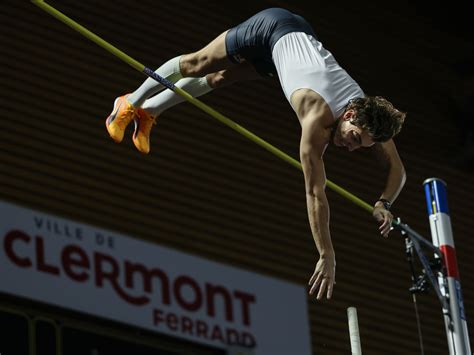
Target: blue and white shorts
<point>253,40</point>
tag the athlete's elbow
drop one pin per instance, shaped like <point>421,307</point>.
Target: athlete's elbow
<point>316,193</point>
<point>305,158</point>
<point>403,176</point>
<point>399,170</point>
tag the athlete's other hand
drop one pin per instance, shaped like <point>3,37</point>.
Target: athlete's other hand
<point>385,218</point>
<point>324,276</point>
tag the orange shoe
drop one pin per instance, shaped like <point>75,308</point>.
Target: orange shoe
<point>121,116</point>
<point>141,136</point>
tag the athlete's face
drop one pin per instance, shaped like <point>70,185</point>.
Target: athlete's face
<point>349,135</point>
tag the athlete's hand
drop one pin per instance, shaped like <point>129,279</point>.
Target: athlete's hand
<point>385,218</point>
<point>324,276</point>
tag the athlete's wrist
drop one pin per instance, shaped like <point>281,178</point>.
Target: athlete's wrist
<point>383,202</point>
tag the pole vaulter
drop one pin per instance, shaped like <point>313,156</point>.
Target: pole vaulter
<point>416,241</point>
<point>217,115</point>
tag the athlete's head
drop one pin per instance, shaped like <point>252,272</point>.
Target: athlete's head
<point>366,121</point>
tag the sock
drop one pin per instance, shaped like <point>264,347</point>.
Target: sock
<point>170,70</point>
<point>166,99</point>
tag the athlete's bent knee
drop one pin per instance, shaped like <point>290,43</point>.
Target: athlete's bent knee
<point>216,80</point>
<point>194,65</point>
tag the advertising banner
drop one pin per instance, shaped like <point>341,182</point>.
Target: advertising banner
<point>121,278</point>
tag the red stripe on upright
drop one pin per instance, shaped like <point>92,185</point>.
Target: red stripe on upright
<point>450,260</point>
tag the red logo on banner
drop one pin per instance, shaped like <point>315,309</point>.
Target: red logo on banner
<point>76,264</point>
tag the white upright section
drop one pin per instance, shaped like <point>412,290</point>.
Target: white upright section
<point>449,282</point>
<point>354,331</point>
<point>437,227</point>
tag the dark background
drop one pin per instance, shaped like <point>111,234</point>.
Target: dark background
<point>206,190</point>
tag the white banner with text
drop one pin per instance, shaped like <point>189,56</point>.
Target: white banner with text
<point>109,275</point>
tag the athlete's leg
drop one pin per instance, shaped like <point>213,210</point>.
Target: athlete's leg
<point>199,86</point>
<point>169,70</point>
<point>209,59</point>
<point>153,107</point>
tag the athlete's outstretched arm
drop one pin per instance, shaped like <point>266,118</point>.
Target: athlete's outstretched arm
<point>312,148</point>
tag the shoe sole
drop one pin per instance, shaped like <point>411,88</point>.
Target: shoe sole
<point>134,137</point>
<point>111,117</point>
<point>136,128</point>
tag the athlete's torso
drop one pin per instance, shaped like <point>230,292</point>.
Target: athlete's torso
<point>278,42</point>
<point>303,63</point>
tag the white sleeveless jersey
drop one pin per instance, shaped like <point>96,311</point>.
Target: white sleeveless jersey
<point>303,63</point>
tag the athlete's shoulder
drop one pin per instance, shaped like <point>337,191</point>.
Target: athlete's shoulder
<point>308,103</point>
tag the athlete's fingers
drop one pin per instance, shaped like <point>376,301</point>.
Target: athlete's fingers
<point>330,288</point>
<point>316,283</point>
<point>385,226</point>
<point>322,288</point>
<point>385,221</point>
